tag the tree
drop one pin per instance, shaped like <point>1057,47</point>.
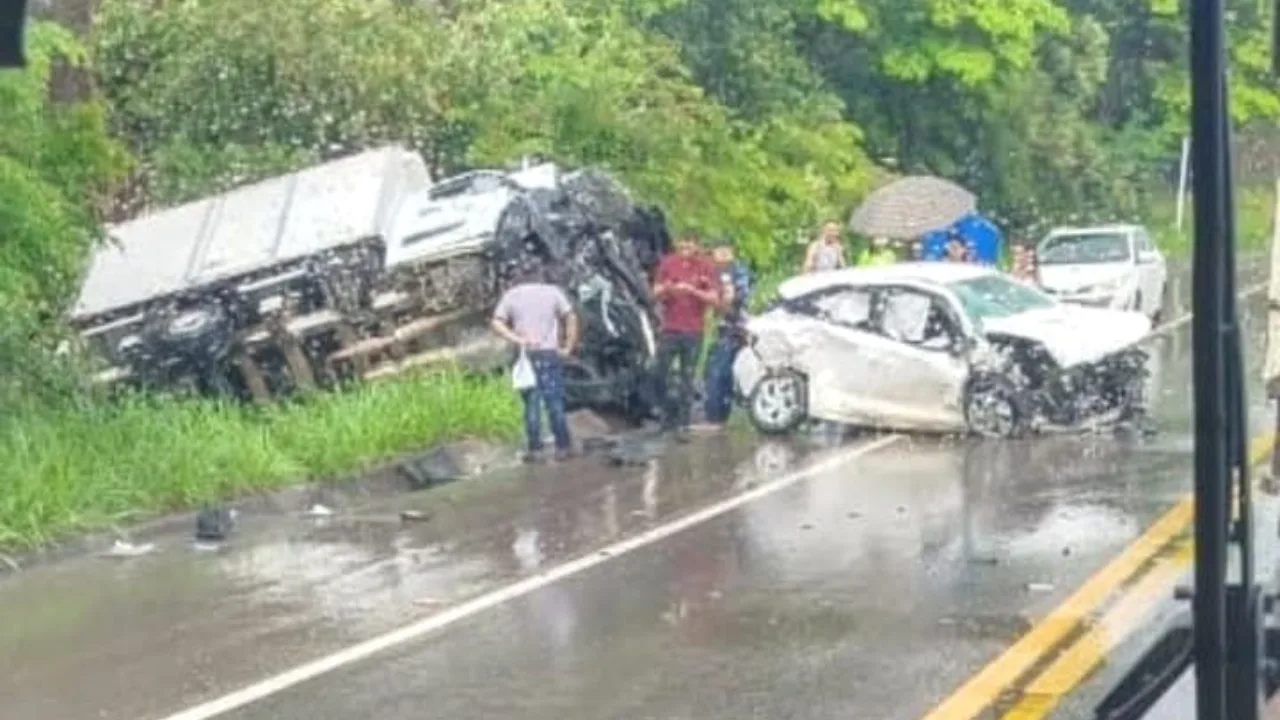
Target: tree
<point>57,168</point>
<point>215,94</point>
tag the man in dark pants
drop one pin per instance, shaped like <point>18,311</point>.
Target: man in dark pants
<point>531,316</point>
<point>685,287</point>
<point>735,286</point>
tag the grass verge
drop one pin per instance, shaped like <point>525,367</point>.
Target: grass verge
<point>76,469</point>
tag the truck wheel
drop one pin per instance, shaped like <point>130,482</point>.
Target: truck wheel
<point>779,402</point>
<point>1157,317</point>
<point>192,323</point>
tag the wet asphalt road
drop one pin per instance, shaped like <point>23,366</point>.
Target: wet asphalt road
<point>870,590</point>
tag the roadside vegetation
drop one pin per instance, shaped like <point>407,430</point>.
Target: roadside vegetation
<point>752,119</point>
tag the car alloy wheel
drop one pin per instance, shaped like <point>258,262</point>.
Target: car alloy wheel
<point>992,411</point>
<point>778,403</point>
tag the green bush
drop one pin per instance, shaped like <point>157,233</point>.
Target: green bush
<point>75,468</point>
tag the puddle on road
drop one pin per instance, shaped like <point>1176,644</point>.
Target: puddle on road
<point>1002,628</point>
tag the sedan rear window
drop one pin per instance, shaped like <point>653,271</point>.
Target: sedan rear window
<point>996,296</point>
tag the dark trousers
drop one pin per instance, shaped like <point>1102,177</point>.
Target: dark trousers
<point>548,391</point>
<point>718,379</point>
<point>679,348</point>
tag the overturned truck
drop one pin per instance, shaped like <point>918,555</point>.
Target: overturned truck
<point>362,268</point>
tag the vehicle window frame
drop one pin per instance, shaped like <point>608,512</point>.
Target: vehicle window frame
<point>957,331</point>
<point>1045,245</point>
<point>807,304</point>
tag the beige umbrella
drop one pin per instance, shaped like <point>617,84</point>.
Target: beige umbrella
<point>910,207</point>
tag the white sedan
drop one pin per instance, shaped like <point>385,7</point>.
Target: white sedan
<point>1114,266</point>
<point>938,347</point>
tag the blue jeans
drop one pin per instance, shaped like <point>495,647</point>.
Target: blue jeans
<point>548,391</point>
<point>719,378</point>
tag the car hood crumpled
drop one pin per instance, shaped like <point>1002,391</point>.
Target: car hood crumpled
<point>1073,334</point>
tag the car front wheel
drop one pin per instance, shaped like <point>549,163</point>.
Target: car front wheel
<point>779,402</point>
<point>991,409</point>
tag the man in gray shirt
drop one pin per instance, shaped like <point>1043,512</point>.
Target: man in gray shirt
<point>531,316</point>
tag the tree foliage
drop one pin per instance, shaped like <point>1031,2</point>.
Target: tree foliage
<point>285,83</point>
<point>754,119</point>
<point>57,166</point>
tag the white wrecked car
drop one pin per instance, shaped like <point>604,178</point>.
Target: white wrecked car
<point>938,347</point>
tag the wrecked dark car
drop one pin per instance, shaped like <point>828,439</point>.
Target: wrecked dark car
<point>939,348</point>
<point>362,268</point>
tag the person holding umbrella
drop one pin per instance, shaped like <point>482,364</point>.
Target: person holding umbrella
<point>957,248</point>
<point>878,252</point>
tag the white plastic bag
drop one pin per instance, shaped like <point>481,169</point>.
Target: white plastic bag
<point>522,374</point>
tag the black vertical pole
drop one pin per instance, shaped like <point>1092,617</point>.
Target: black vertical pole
<point>1211,452</point>
<point>1243,608</point>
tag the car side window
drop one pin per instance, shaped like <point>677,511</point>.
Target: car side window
<point>1144,242</point>
<point>851,308</point>
<point>916,318</point>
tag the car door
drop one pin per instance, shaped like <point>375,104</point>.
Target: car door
<point>921,374</point>
<point>835,348</point>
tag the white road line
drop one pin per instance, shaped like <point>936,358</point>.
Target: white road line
<point>1183,320</point>
<point>507,593</point>
<point>477,605</point>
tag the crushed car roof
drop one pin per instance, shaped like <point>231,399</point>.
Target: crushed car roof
<point>917,272</point>
<point>248,228</point>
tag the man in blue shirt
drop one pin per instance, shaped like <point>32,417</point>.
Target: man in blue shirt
<point>731,336</point>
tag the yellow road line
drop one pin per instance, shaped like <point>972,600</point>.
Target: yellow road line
<point>981,690</point>
<point>1043,694</point>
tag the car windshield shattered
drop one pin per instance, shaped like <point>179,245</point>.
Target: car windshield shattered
<point>995,296</point>
<point>1085,248</point>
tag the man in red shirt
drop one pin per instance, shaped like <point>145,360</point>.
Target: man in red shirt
<point>685,287</point>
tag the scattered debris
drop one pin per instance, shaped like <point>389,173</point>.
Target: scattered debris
<point>635,451</point>
<point>428,602</point>
<point>1039,587</point>
<point>215,523</point>
<point>451,462</point>
<point>414,516</point>
<point>319,510</point>
<point>598,444</point>
<point>124,549</point>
